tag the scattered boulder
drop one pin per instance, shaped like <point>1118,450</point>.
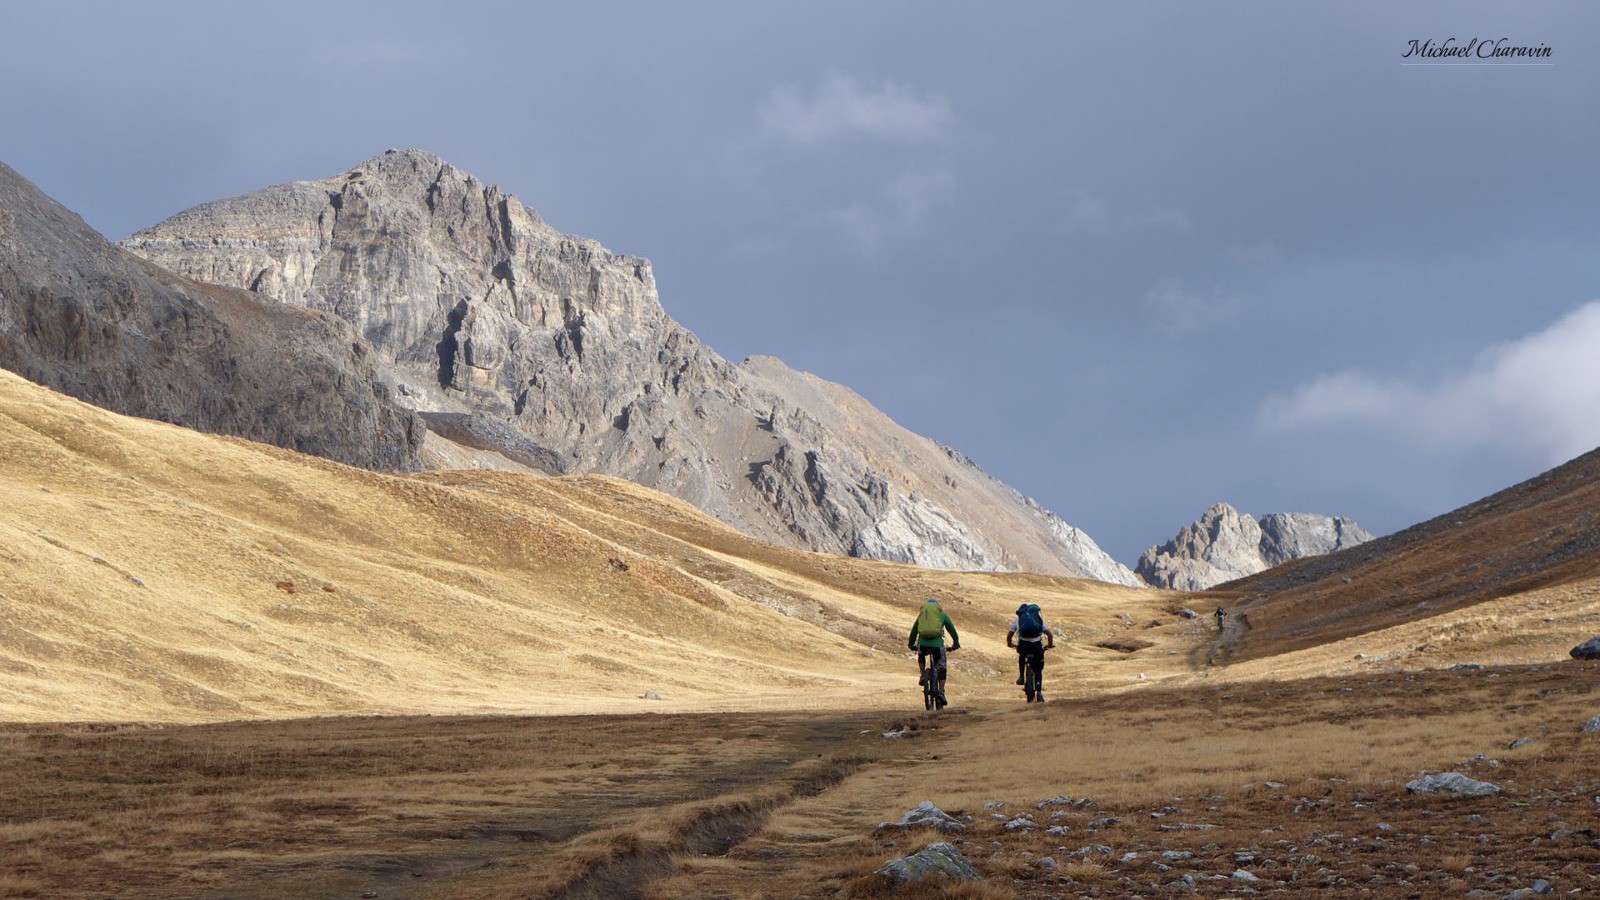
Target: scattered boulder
<point>1080,803</point>
<point>1242,875</point>
<point>1589,649</point>
<point>1020,823</point>
<point>925,815</point>
<point>1518,743</point>
<point>935,859</point>
<point>1592,725</point>
<point>1452,784</point>
<point>651,695</point>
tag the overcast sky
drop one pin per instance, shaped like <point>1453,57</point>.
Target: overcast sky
<point>1132,258</point>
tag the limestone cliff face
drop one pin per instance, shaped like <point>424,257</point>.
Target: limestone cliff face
<point>83,317</point>
<point>479,309</point>
<point>1226,544</point>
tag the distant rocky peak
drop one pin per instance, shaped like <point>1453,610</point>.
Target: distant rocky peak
<point>1225,544</point>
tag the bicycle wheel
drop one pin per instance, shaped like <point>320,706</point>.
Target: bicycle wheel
<point>930,688</point>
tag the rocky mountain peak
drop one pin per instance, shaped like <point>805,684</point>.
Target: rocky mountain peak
<point>1225,544</point>
<point>555,353</point>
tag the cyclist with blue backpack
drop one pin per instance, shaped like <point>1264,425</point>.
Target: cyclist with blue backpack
<point>1028,635</point>
<point>927,638</point>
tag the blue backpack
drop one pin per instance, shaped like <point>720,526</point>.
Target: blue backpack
<point>1029,623</point>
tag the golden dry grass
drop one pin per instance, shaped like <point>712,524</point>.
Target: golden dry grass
<point>153,573</point>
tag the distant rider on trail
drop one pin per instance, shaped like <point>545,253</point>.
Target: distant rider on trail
<point>1222,616</point>
<point>1028,635</point>
<point>927,638</point>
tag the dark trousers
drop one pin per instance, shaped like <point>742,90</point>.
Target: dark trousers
<point>1030,652</point>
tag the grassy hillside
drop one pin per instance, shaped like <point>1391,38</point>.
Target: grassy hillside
<point>154,573</point>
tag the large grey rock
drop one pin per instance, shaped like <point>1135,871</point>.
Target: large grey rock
<point>935,859</point>
<point>1589,649</point>
<point>1452,784</point>
<point>1226,544</point>
<point>477,307</point>
<point>88,319</point>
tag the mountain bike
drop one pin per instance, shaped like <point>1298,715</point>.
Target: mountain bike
<point>931,699</point>
<point>1033,676</point>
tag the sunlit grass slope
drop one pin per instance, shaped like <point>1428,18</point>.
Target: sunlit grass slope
<point>150,572</point>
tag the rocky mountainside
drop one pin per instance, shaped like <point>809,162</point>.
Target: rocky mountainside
<point>493,323</point>
<point>91,320</point>
<point>1226,544</point>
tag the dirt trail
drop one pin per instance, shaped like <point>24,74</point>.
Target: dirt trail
<point>404,806</point>
<point>1234,627</point>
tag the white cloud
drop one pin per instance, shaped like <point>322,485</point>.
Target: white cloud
<point>1538,396</point>
<point>839,107</point>
<point>1178,311</point>
<point>1090,213</point>
<point>899,210</point>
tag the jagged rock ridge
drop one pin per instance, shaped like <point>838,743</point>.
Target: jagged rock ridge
<point>86,318</point>
<point>1226,544</point>
<point>477,307</point>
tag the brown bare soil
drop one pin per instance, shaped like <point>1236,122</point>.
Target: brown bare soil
<point>1299,783</point>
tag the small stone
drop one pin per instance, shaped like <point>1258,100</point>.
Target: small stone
<point>1020,824</point>
<point>1541,886</point>
<point>1452,784</point>
<point>1242,875</point>
<point>1518,743</point>
<point>1592,725</point>
<point>651,695</point>
<point>925,815</point>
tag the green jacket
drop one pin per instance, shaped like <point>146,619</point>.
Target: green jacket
<point>939,639</point>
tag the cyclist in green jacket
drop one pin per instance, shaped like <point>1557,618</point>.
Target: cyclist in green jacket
<point>927,638</point>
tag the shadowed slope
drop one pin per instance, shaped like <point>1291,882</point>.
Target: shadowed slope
<point>103,325</point>
<point>1542,534</point>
